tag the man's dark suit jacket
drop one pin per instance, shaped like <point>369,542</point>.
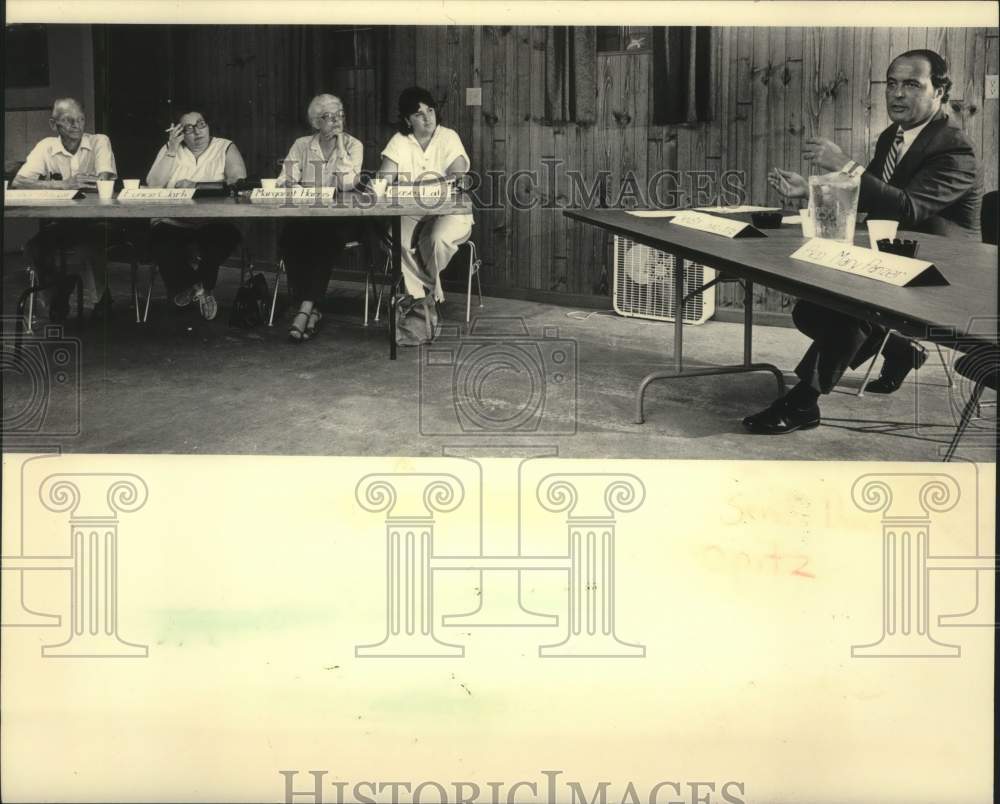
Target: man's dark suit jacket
<point>937,187</point>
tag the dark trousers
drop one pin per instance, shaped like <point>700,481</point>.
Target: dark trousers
<point>310,248</point>
<point>839,342</point>
<point>90,238</point>
<point>177,250</point>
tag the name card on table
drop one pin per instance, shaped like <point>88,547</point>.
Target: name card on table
<point>15,197</point>
<point>295,195</point>
<point>889,268</point>
<point>149,194</point>
<point>418,191</point>
<point>725,227</point>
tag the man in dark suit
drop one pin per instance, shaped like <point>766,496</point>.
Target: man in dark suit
<point>926,176</point>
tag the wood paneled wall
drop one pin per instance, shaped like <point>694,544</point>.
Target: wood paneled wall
<point>775,86</point>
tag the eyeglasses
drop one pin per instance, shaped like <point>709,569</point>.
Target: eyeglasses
<point>68,121</point>
<point>201,125</point>
<point>328,117</point>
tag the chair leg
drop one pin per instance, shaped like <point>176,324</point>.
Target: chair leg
<point>944,365</point>
<point>368,285</point>
<point>871,366</point>
<point>963,423</point>
<point>31,300</point>
<point>381,290</point>
<point>468,289</point>
<point>278,271</point>
<point>135,291</point>
<point>149,293</point>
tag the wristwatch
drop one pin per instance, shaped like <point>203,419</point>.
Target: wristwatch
<point>852,169</point>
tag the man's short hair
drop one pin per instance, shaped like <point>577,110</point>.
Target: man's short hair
<point>61,103</point>
<point>939,68</point>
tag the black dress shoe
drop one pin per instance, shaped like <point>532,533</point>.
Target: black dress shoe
<point>895,369</point>
<point>782,418</point>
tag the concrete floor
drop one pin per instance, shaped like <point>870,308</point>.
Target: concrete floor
<point>179,384</point>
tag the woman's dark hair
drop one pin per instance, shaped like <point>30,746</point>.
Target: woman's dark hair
<point>409,102</point>
<point>939,68</point>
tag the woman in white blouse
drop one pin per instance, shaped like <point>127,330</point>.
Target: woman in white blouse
<point>189,252</point>
<point>424,151</point>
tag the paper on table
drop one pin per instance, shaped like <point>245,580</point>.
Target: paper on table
<point>654,213</point>
<point>791,219</point>
<point>737,210</point>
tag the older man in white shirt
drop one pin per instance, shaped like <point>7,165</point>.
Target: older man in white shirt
<point>73,159</point>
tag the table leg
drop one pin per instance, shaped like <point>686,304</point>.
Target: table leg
<point>397,272</point>
<point>745,368</point>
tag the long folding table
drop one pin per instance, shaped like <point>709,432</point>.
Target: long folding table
<point>962,313</point>
<point>344,205</point>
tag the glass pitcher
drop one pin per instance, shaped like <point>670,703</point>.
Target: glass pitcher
<point>833,205</point>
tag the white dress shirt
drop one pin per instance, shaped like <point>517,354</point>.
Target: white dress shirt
<point>49,156</point>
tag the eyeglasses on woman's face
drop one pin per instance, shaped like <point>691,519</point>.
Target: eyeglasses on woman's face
<point>329,117</point>
<point>191,128</point>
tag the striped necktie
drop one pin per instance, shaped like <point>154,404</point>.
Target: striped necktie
<point>893,156</point>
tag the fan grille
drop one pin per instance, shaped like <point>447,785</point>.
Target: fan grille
<point>644,284</point>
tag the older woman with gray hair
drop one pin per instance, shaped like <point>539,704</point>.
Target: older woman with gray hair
<point>330,157</point>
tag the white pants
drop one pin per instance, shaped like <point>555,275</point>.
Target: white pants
<point>437,239</point>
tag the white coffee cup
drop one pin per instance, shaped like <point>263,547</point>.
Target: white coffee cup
<point>379,186</point>
<point>268,184</point>
<point>105,189</point>
<point>808,227</point>
<point>880,230</point>
<point>131,184</point>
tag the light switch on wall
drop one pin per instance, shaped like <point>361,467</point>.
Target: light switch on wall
<point>474,96</point>
<point>992,87</point>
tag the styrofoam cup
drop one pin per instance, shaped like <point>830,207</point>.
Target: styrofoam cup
<point>268,184</point>
<point>131,184</point>
<point>880,230</point>
<point>105,189</point>
<point>379,187</point>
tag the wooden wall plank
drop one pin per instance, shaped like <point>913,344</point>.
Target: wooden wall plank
<point>862,137</point>
<point>760,114</point>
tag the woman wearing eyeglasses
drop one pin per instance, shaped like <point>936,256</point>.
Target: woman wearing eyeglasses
<point>189,252</point>
<point>424,151</point>
<point>330,157</point>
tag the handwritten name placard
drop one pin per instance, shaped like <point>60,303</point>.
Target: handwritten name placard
<point>149,194</point>
<point>14,197</point>
<point>889,268</point>
<point>418,191</point>
<point>724,227</point>
<point>294,195</point>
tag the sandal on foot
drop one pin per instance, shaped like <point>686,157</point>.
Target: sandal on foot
<point>207,305</point>
<point>297,333</point>
<point>312,323</point>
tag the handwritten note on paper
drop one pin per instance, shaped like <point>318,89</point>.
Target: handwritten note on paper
<point>878,265</point>
<point>713,225</point>
<point>15,197</point>
<point>293,195</point>
<point>150,194</point>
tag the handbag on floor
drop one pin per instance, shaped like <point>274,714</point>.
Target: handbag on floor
<point>250,305</point>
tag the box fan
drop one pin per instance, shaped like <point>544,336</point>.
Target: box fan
<point>643,285</point>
